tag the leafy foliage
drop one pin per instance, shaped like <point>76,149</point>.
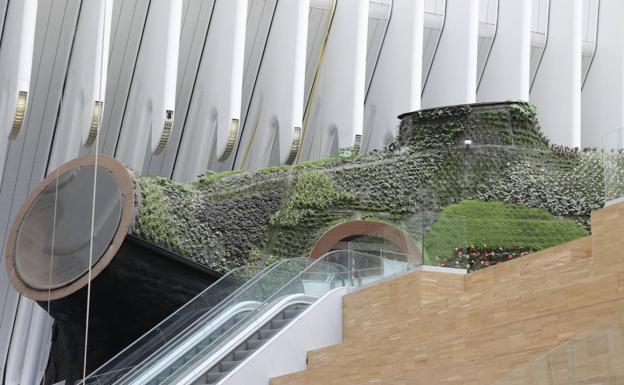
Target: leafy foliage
<point>215,176</point>
<point>313,192</point>
<point>233,218</point>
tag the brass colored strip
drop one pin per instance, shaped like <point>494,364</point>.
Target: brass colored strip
<point>20,112</point>
<point>295,147</point>
<point>95,123</point>
<point>251,140</point>
<point>164,137</point>
<point>231,140</point>
<point>357,143</point>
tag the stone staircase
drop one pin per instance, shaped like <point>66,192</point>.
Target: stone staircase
<point>429,328</point>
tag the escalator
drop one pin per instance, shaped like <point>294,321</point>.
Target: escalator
<point>251,344</point>
<point>215,341</point>
<point>151,344</point>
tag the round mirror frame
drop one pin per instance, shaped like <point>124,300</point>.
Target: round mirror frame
<point>124,181</point>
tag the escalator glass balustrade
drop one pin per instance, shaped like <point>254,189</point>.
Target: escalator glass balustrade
<point>212,342</point>
<point>165,332</point>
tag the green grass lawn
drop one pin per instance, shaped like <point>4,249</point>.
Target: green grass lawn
<point>496,224</point>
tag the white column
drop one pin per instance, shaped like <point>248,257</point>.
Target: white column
<point>83,96</point>
<point>272,127</point>
<point>19,340</point>
<point>150,107</point>
<point>506,74</point>
<point>16,54</point>
<point>603,92</point>
<point>334,114</point>
<point>396,84</point>
<point>37,346</point>
<point>212,122</point>
<point>452,78</point>
<point>556,89</point>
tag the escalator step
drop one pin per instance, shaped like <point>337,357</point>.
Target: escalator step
<point>278,323</point>
<point>254,344</point>
<point>291,313</point>
<point>226,366</point>
<point>240,355</point>
<point>267,333</point>
<point>211,378</point>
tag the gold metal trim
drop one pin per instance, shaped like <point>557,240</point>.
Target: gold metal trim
<point>357,143</point>
<point>20,112</point>
<point>164,137</point>
<point>95,123</point>
<point>232,135</point>
<point>295,147</point>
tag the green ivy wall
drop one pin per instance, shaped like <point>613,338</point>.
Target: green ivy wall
<point>234,218</point>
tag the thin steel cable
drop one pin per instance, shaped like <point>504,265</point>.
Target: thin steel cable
<point>49,336</point>
<point>95,171</point>
<point>51,265</point>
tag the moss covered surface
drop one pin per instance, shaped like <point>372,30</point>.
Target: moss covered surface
<point>229,219</point>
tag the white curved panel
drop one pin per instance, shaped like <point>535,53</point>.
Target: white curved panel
<point>432,30</point>
<point>488,24</point>
<point>506,75</point>
<point>83,96</point>
<point>149,110</point>
<point>17,353</point>
<point>213,117</point>
<point>539,33</point>
<point>556,90</point>
<point>273,121</point>
<point>589,34</point>
<point>334,113</point>
<point>319,23</point>
<point>603,92</point>
<point>16,53</point>
<point>30,343</point>
<point>396,84</point>
<point>452,78</point>
<point>37,348</point>
<point>379,14</point>
<point>196,17</point>
<point>128,27</point>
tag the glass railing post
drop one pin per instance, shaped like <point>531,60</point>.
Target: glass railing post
<point>381,264</point>
<point>350,263</point>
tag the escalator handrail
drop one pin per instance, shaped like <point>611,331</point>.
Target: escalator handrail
<point>153,368</point>
<point>242,335</point>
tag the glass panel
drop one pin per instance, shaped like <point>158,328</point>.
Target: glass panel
<point>196,310</point>
<point>613,158</point>
<point>65,249</point>
<point>303,281</point>
<point>200,332</point>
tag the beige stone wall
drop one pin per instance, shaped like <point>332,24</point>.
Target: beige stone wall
<point>593,357</point>
<point>430,328</point>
